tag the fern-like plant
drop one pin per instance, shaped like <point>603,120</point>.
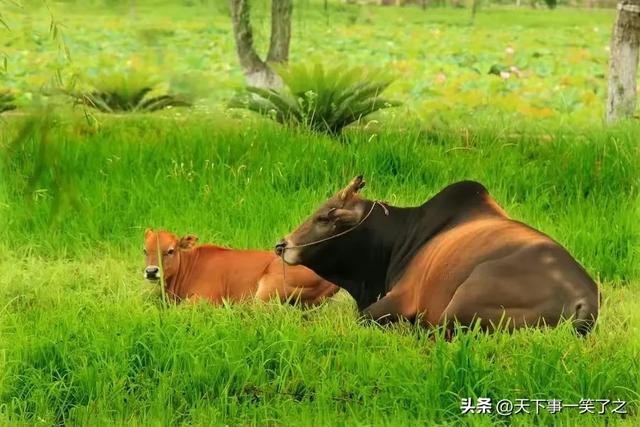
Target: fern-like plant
<point>322,100</point>
<point>7,102</point>
<point>118,92</point>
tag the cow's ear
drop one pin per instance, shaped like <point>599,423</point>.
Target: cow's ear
<point>147,232</point>
<point>345,216</point>
<point>354,186</point>
<point>188,241</point>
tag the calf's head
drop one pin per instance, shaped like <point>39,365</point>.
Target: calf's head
<point>162,248</point>
<point>316,234</point>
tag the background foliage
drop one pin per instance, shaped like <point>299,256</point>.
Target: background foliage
<point>441,62</point>
<point>84,340</point>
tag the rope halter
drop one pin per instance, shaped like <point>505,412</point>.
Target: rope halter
<point>342,233</point>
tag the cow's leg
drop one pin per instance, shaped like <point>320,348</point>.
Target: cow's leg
<point>194,299</point>
<point>300,287</point>
<point>389,309</point>
<point>291,288</point>
<point>520,290</point>
<point>296,287</point>
<point>492,303</point>
<point>271,286</point>
<point>191,300</point>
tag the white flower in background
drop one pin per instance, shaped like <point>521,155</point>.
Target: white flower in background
<point>513,69</point>
<point>509,50</point>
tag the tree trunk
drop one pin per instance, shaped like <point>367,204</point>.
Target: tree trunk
<point>474,9</point>
<point>257,73</point>
<point>280,30</point>
<point>623,65</point>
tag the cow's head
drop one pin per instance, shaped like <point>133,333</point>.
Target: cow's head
<point>163,248</point>
<point>338,214</point>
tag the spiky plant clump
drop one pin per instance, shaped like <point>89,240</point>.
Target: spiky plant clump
<point>118,92</point>
<point>321,100</point>
<point>7,101</point>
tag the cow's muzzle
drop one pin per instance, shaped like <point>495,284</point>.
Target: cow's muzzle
<point>151,272</point>
<point>280,247</point>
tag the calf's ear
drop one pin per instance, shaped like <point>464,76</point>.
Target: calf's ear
<point>188,241</point>
<point>147,232</point>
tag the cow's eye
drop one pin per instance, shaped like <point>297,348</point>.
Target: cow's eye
<point>323,219</point>
<point>170,252</point>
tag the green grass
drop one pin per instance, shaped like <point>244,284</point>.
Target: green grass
<point>249,185</point>
<point>84,339</point>
<point>86,342</point>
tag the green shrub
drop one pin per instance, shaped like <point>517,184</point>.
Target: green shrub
<point>128,91</point>
<point>6,101</point>
<point>321,100</point>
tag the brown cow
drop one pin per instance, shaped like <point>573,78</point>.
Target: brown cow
<point>458,256</point>
<point>216,273</point>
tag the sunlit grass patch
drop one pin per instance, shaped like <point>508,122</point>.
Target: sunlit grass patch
<point>88,337</point>
<point>86,340</point>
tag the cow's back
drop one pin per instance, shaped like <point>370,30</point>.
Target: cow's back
<point>217,273</point>
<point>447,260</point>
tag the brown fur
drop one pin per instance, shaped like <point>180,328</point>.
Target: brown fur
<point>214,273</point>
<point>456,257</point>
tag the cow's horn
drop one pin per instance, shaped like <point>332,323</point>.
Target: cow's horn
<point>354,186</point>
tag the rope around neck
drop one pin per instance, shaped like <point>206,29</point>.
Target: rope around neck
<point>386,212</point>
<point>373,205</point>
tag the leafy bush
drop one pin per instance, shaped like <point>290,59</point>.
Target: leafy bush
<point>322,100</point>
<point>127,91</point>
<point>7,102</point>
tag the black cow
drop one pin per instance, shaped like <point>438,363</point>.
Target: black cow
<point>456,257</point>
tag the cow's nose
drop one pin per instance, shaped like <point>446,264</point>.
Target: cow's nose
<point>151,272</point>
<point>280,247</point>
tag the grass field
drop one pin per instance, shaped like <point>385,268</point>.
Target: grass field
<point>84,340</point>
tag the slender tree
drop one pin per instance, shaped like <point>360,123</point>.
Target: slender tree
<point>623,66</point>
<point>475,6</point>
<point>257,71</point>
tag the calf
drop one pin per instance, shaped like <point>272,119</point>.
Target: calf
<point>215,273</point>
